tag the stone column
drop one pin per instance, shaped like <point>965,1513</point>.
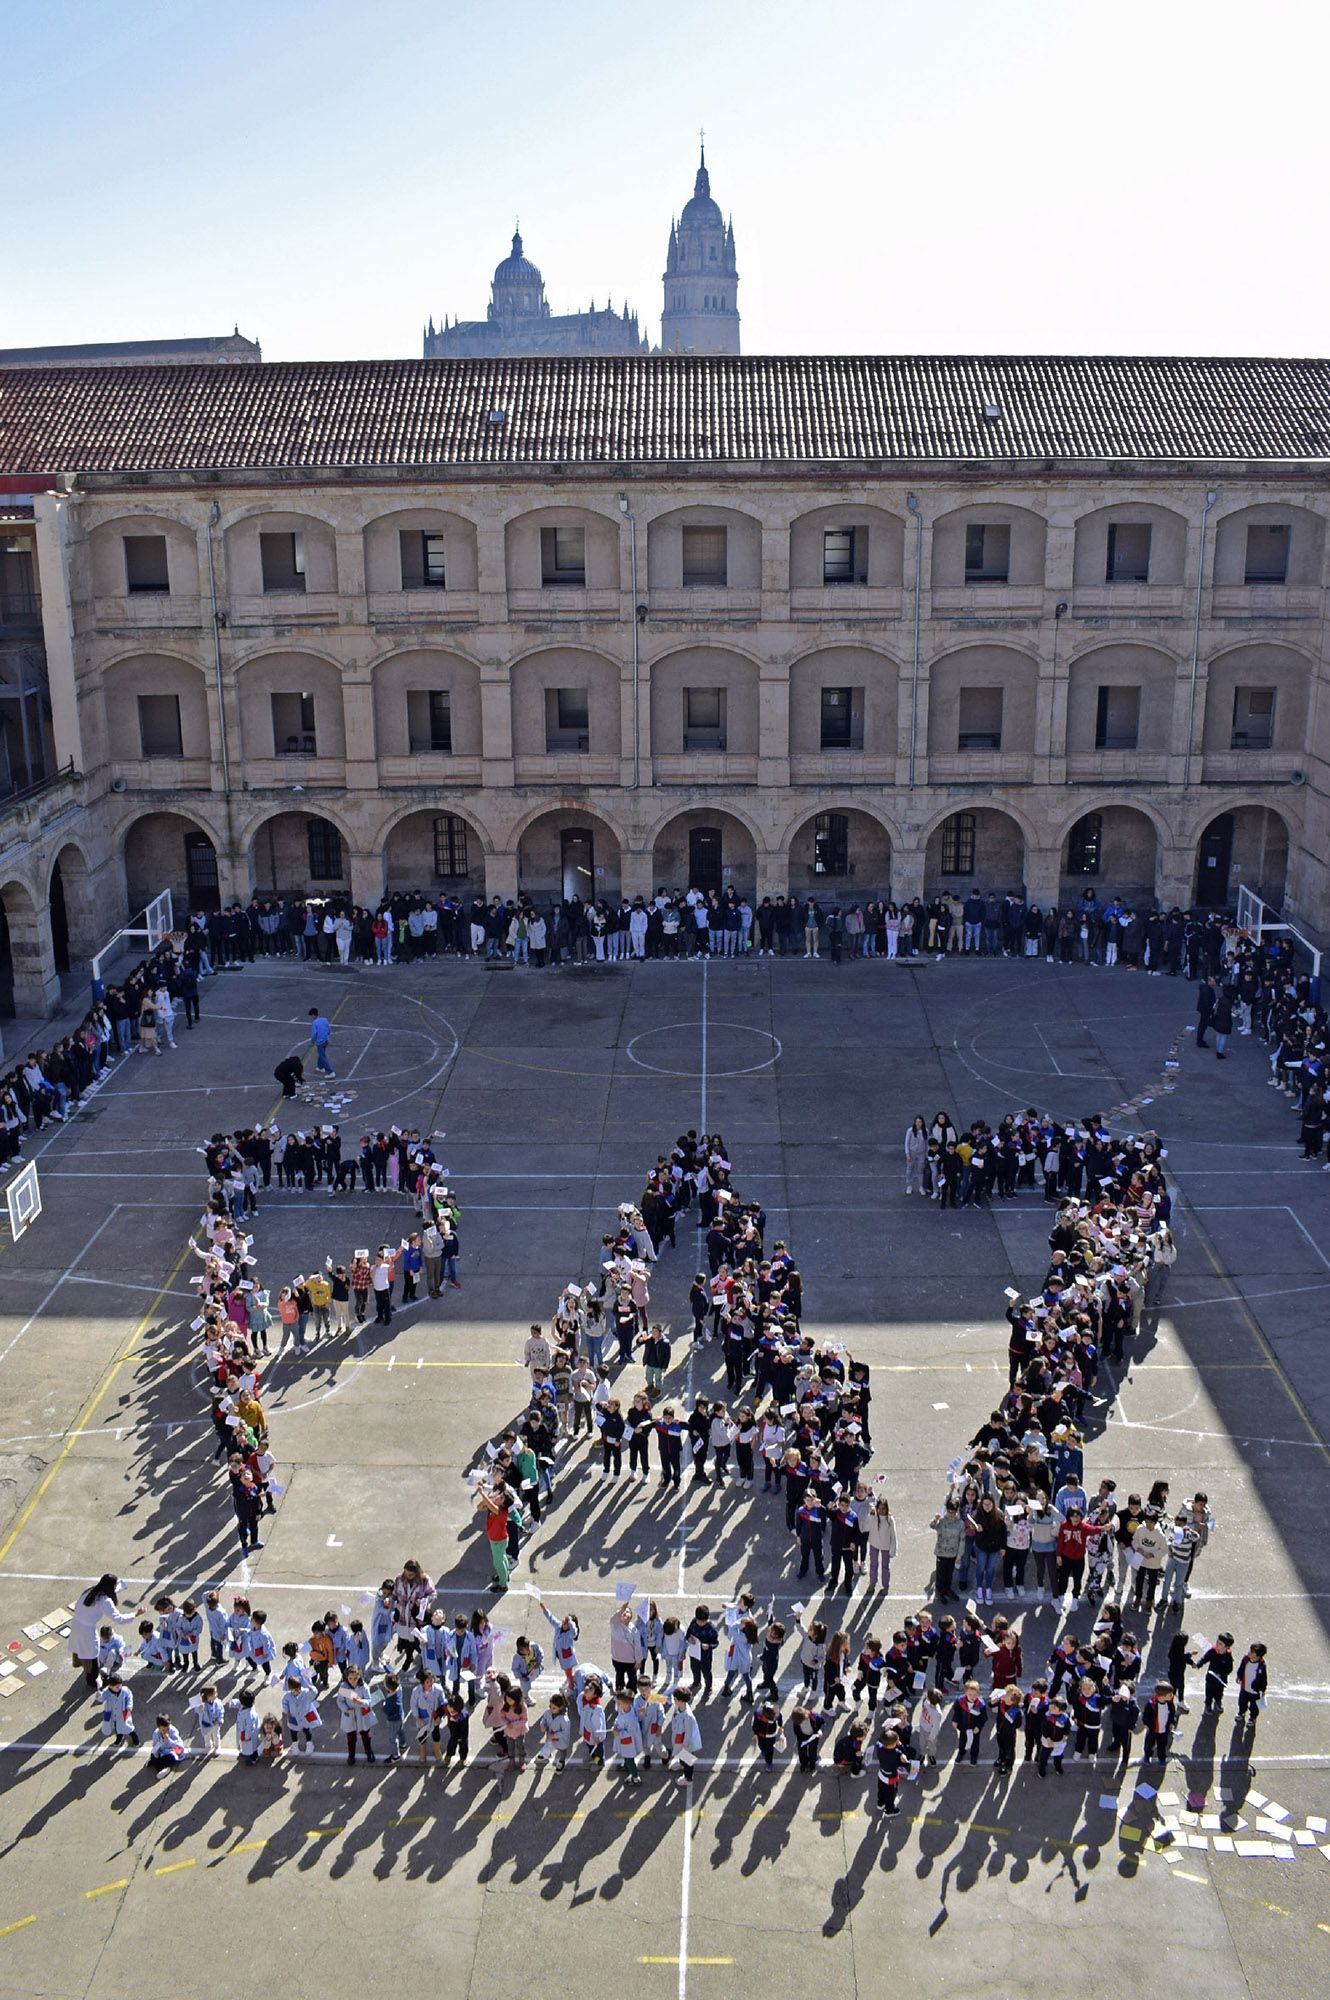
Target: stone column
<point>36,981</point>
<point>362,769</point>
<point>366,879</point>
<point>1043,876</point>
<point>501,876</point>
<point>773,724</point>
<point>496,727</point>
<point>635,875</point>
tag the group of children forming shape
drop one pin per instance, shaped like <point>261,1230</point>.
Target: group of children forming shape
<point>808,1419</point>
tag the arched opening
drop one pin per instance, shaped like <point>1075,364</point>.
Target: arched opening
<point>705,850</point>
<point>569,853</point>
<point>59,922</point>
<point>841,855</point>
<point>1113,851</point>
<point>980,848</point>
<point>434,853</point>
<point>298,854</point>
<point>168,851</point>
<point>1244,848</point>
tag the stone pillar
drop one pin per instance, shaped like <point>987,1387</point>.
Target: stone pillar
<point>362,770</point>
<point>907,869</point>
<point>773,875</point>
<point>501,876</point>
<point>491,575</point>
<point>635,874</point>
<point>366,879</point>
<point>496,726</point>
<point>773,724</point>
<point>36,981</point>
<point>1043,876</point>
<point>1175,870</point>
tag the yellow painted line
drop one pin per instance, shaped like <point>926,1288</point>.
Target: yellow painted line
<point>7,1930</point>
<point>174,1867</point>
<point>852,1812</point>
<point>322,1832</point>
<point>412,1819</point>
<point>244,1847</point>
<point>1278,1908</point>
<point>89,1410</point>
<point>697,1961</point>
<point>1181,1875</point>
<point>493,1815</point>
<point>566,1815</point>
<point>1320,1927</point>
<point>107,1889</point>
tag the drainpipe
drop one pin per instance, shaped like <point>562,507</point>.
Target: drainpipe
<point>913,505</point>
<point>638,613</point>
<point>1210,500</point>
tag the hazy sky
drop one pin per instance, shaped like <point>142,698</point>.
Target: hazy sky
<point>1145,177</point>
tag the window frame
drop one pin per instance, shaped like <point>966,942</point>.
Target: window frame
<point>415,572</point>
<point>449,834</point>
<point>704,735</point>
<point>282,581</point>
<point>985,572</point>
<point>145,751</point>
<point>957,845</point>
<point>324,846</point>
<point>1242,696</point>
<point>557,569</point>
<point>851,574</point>
<point>148,589</point>
<point>838,741</point>
<point>1117,569</point>
<point>307,729</point>
<point>831,846</point>
<point>1104,738</point>
<point>704,575</point>
<point>437,736</point>
<point>1258,577</point>
<point>973,741</point>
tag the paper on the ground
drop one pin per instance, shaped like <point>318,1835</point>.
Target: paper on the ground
<point>1144,1791</point>
<point>1107,1802</point>
<point>37,1667</point>
<point>1272,1811</point>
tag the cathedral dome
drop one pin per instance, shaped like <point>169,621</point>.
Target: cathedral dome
<point>517,269</point>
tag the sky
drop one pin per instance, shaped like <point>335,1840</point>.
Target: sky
<point>1030,177</point>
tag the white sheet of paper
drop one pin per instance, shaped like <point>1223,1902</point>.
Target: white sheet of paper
<point>1272,1811</point>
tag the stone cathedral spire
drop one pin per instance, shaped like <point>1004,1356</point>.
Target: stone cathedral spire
<point>701,311</point>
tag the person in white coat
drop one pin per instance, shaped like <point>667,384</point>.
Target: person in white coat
<point>637,931</point>
<point>96,1607</point>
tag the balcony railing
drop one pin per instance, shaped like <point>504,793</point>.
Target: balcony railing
<point>21,610</point>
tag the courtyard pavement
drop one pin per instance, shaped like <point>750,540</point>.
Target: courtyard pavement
<point>555,1092</point>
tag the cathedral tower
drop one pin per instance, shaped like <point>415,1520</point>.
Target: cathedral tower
<point>701,314</point>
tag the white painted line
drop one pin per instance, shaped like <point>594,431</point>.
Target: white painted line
<point>33,1318</point>
<point>685,1887</point>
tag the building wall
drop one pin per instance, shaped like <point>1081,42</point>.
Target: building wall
<point>773,637</point>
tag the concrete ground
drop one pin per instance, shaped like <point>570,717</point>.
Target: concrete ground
<point>554,1092</point>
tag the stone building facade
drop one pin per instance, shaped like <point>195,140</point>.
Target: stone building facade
<point>844,627</point>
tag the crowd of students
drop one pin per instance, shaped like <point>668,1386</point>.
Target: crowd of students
<point>139,1013</point>
<point>726,923</point>
<point>1015,1515</point>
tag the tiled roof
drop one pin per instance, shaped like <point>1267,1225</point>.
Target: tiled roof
<point>120,351</point>
<point>627,410</point>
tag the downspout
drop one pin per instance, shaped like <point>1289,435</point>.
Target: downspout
<point>912,503</point>
<point>1210,500</point>
<point>638,609</point>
